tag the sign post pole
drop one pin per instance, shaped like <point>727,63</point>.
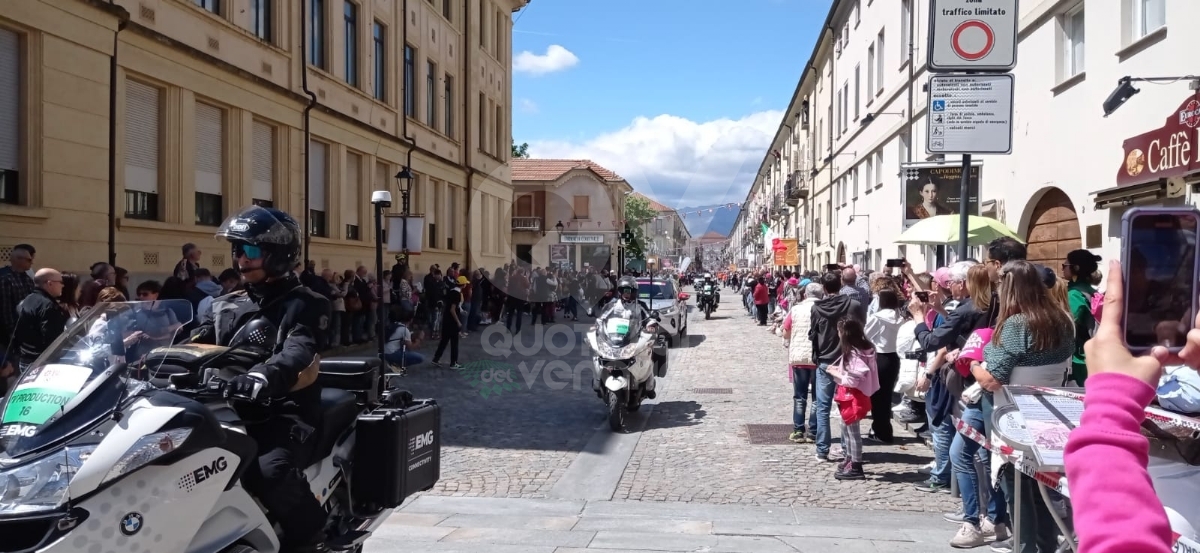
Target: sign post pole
<point>963,204</point>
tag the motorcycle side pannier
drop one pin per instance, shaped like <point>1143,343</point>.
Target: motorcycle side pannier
<point>397,452</point>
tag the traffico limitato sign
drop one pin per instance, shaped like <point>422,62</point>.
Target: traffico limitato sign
<point>972,35</point>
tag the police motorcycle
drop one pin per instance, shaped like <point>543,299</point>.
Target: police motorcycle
<point>628,353</point>
<point>116,440</point>
<point>706,290</point>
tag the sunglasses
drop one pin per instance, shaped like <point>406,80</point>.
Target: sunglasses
<point>249,251</point>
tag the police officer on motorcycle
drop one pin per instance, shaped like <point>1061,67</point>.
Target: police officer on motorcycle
<point>708,280</point>
<point>266,249</point>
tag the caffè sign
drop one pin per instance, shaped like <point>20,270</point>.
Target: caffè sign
<point>1172,150</point>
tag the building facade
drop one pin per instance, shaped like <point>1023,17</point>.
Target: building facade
<point>667,238</point>
<point>568,213</point>
<point>858,117</point>
<point>221,103</point>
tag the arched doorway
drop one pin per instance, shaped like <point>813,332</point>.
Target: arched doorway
<point>841,254</point>
<point>1053,230</point>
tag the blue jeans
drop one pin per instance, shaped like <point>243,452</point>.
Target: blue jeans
<point>962,457</point>
<point>943,436</point>
<point>410,358</point>
<point>825,388</point>
<point>803,385</point>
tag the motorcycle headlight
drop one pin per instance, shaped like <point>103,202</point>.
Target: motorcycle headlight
<point>41,485</point>
<point>146,449</point>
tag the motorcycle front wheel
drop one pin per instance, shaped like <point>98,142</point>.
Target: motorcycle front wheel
<point>616,410</point>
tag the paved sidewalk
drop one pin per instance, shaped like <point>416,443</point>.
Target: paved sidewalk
<point>503,525</point>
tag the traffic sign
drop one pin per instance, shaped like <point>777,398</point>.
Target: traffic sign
<point>972,35</point>
<point>970,114</point>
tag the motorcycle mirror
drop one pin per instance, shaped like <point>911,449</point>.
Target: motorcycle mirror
<point>257,336</point>
<point>655,315</point>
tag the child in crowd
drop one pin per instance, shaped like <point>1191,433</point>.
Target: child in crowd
<point>857,380</point>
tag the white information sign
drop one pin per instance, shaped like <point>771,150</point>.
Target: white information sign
<point>972,35</point>
<point>396,235</point>
<point>970,114</point>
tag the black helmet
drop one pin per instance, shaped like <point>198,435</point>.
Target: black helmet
<point>629,283</point>
<point>276,233</point>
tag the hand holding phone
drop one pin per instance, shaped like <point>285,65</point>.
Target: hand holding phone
<point>923,296</point>
<point>1161,271</point>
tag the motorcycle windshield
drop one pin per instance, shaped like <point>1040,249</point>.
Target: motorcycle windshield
<point>620,324</point>
<point>79,379</point>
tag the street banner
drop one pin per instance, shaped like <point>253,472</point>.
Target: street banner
<point>788,254</point>
<point>933,189</point>
<point>559,254</point>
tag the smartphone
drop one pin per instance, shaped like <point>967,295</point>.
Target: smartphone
<point>923,296</point>
<point>1158,257</point>
<point>894,263</point>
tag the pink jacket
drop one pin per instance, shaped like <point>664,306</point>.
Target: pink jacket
<point>1116,509</point>
<point>859,372</point>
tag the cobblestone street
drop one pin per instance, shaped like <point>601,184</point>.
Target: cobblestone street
<point>519,438</point>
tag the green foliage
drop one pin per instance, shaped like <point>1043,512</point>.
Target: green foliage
<point>520,152</point>
<point>637,214</point>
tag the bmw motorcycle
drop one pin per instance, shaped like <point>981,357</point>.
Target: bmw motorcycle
<point>117,440</point>
<point>707,300</point>
<point>628,353</point>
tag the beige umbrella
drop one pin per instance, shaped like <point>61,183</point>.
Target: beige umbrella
<point>943,229</point>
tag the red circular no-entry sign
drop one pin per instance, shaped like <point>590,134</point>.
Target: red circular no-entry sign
<point>968,47</point>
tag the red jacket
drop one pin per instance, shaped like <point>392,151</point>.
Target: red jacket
<point>760,294</point>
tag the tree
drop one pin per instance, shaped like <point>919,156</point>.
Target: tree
<point>637,214</point>
<point>520,152</point>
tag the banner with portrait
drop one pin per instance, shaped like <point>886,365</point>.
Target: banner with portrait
<point>559,254</point>
<point>933,189</point>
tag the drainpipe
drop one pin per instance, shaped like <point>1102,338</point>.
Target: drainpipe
<point>466,134</point>
<point>312,102</point>
<point>112,138</point>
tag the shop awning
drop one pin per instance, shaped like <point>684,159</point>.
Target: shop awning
<point>1130,195</point>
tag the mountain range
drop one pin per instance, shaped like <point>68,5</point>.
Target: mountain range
<point>720,220</point>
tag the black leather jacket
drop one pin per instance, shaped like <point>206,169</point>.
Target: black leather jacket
<point>300,315</point>
<point>40,321</point>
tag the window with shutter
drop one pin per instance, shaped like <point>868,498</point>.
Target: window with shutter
<point>581,207</point>
<point>352,195</point>
<point>264,162</point>
<point>209,164</point>
<point>142,142</point>
<point>317,185</point>
<point>10,116</point>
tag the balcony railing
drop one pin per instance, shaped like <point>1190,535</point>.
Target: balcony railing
<point>531,224</point>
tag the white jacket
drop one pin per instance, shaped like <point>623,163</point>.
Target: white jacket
<point>882,328</point>
<point>800,347</point>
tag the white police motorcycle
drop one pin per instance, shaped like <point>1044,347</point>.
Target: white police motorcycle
<point>116,440</point>
<point>628,353</point>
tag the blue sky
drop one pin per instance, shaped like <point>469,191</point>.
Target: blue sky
<point>681,97</point>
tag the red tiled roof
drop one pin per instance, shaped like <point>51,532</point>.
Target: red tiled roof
<point>551,169</point>
<point>653,204</point>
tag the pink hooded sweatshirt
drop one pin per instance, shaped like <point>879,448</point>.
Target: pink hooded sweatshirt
<point>1116,509</point>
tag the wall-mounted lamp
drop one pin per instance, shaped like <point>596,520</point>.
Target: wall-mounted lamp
<point>559,227</point>
<point>1125,89</point>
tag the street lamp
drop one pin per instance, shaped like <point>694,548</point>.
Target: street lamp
<point>404,181</point>
<point>381,199</point>
<point>559,227</point>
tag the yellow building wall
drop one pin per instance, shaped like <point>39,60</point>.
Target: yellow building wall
<point>66,49</point>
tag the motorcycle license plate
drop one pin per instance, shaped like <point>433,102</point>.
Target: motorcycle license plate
<point>617,327</point>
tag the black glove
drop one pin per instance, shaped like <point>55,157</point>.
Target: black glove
<point>247,386</point>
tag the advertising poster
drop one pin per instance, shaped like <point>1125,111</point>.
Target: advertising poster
<point>933,189</point>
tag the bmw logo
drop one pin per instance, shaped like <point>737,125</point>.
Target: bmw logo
<point>131,524</point>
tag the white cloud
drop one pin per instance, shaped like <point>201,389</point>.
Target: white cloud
<point>677,161</point>
<point>527,106</point>
<point>556,58</point>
